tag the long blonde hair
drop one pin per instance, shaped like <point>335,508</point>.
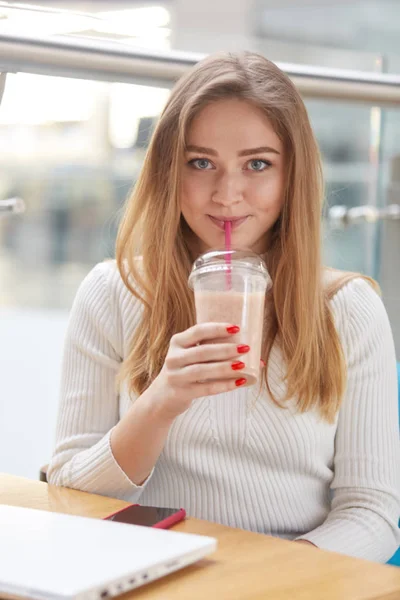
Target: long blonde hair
<point>299,315</point>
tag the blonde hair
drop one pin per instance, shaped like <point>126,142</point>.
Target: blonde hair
<point>299,316</point>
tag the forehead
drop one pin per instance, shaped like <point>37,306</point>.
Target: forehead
<point>232,122</point>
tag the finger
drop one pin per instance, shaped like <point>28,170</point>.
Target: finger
<point>203,332</point>
<point>211,371</point>
<point>212,388</point>
<point>262,363</point>
<point>203,354</point>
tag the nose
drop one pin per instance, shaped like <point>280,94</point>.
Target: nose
<point>228,189</point>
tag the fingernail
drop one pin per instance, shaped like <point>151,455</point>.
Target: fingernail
<point>233,329</point>
<point>263,363</point>
<point>243,348</point>
<point>236,366</point>
<point>240,381</point>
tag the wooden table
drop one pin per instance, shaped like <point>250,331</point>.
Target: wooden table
<point>245,566</point>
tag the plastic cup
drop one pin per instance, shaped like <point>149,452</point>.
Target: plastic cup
<point>231,289</point>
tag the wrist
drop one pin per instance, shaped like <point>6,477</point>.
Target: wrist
<point>156,406</point>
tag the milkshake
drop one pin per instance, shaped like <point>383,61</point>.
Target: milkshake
<point>245,310</point>
<point>233,291</point>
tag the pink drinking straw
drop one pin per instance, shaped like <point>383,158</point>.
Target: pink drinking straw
<point>228,259</point>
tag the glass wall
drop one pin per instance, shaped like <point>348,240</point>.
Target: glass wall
<point>71,150</point>
<point>343,34</point>
<point>72,154</point>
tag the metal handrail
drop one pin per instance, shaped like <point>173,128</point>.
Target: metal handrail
<point>87,58</point>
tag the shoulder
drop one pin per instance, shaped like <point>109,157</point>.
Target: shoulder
<point>334,279</point>
<point>104,297</point>
<point>350,291</point>
<point>360,314</point>
<point>106,275</point>
<point>103,284</point>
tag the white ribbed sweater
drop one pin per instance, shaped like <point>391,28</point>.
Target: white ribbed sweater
<point>234,458</point>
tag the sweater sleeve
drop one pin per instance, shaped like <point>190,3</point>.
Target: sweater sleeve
<point>89,409</point>
<point>363,521</point>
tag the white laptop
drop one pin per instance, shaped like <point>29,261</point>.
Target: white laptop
<point>51,556</point>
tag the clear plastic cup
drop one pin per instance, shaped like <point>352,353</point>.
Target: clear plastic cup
<point>229,287</point>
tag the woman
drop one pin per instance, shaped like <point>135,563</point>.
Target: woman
<point>234,141</point>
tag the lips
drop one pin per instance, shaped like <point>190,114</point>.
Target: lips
<point>235,221</point>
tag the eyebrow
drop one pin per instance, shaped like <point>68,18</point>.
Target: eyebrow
<point>247,152</point>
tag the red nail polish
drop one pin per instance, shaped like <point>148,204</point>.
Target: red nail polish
<point>243,348</point>
<point>240,381</point>
<point>236,366</point>
<point>263,363</point>
<point>233,329</point>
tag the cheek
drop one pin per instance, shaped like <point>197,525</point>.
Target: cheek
<point>193,195</point>
<point>185,195</point>
<point>267,194</point>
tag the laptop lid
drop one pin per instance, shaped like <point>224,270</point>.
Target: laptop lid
<point>52,556</point>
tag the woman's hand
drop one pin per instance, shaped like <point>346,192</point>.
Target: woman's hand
<point>201,361</point>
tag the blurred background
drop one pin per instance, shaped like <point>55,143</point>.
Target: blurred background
<point>73,135</point>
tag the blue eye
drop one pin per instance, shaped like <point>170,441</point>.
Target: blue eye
<point>202,164</point>
<point>259,165</point>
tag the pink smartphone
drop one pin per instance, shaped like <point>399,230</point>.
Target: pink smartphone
<point>148,516</point>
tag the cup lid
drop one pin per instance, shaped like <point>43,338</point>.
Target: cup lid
<point>226,260</point>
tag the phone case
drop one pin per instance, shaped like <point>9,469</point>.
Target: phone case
<point>178,516</point>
